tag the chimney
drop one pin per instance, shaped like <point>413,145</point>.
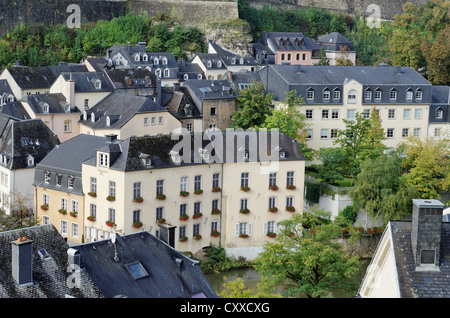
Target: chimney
<point>426,227</point>
<point>74,258</point>
<point>70,91</point>
<point>298,68</point>
<point>176,86</point>
<point>397,69</point>
<point>167,234</point>
<point>111,138</point>
<point>22,261</point>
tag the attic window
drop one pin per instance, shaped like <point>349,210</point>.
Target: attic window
<point>136,270</point>
<point>209,64</point>
<point>219,64</point>
<point>427,257</point>
<point>98,84</point>
<point>175,156</point>
<point>241,61</point>
<point>70,182</point>
<point>156,61</point>
<point>164,61</point>
<point>45,108</point>
<point>145,58</point>
<point>43,253</point>
<point>199,76</point>
<point>233,61</point>
<point>30,160</point>
<point>137,58</point>
<point>46,177</point>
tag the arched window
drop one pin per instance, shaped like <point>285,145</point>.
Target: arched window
<point>351,96</point>
<point>166,72</point>
<point>156,61</point>
<point>439,113</point>
<point>310,94</point>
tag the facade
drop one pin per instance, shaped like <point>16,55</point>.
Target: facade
<point>337,46</point>
<point>411,258</point>
<point>211,65</point>
<point>400,95</point>
<point>127,115</point>
<point>233,62</point>
<point>439,120</point>
<point>155,179</point>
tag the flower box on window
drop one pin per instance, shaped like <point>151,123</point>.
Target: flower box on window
<point>245,189</point>
<point>197,237</point>
<point>161,221</point>
<point>271,234</point>
<point>215,233</point>
<point>215,211</point>
<point>74,214</point>
<point>273,187</point>
<point>137,224</point>
<point>243,235</point>
<point>199,191</point>
<point>44,207</point>
<point>111,198</point>
<point>92,194</point>
<point>184,193</point>
<point>110,223</point>
<point>197,215</point>
<point>290,208</point>
<point>183,239</point>
<point>184,217</point>
<point>62,211</point>
<point>244,211</point>
<point>91,218</point>
<point>160,196</point>
<point>138,199</point>
<point>216,189</point>
<point>290,187</point>
<point>273,210</point>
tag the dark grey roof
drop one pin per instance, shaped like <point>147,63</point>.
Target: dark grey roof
<point>5,88</point>
<point>170,273</point>
<point>441,95</point>
<point>67,68</point>
<point>50,276</point>
<point>28,77</point>
<point>227,57</point>
<point>66,160</point>
<point>15,110</point>
<point>181,103</point>
<point>279,79</point>
<point>192,70</point>
<point>120,108</point>
<point>241,79</point>
<point>422,284</point>
<point>440,102</point>
<point>211,89</point>
<point>132,78</point>
<point>56,103</point>
<point>20,139</point>
<point>98,63</point>
<point>85,81</point>
<point>288,41</point>
<point>333,41</point>
<point>214,60</point>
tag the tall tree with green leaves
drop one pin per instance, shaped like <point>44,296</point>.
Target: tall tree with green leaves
<point>314,261</point>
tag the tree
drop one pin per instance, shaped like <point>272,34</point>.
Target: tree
<point>253,106</point>
<point>437,56</point>
<point>312,260</point>
<point>428,166</point>
<point>333,167</point>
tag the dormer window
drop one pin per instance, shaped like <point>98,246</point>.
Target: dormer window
<point>241,61</point>
<point>146,160</point>
<point>419,94</point>
<point>336,94</point>
<point>137,57</point>
<point>10,98</point>
<point>93,117</point>
<point>108,121</point>
<point>199,76</point>
<point>58,179</point>
<point>409,94</point>
<point>98,84</point>
<point>352,96</point>
<point>219,63</point>
<point>103,160</point>
<point>45,108</point>
<point>156,61</point>
<point>158,72</point>
<point>378,94</point>
<point>233,61</point>
<point>368,94</point>
<point>84,115</point>
<point>70,182</point>
<point>310,94</point>
<point>46,177</point>
<point>30,161</point>
<point>209,64</point>
<point>185,77</point>
<point>326,94</point>
<point>166,72</point>
<point>145,58</point>
<point>439,113</point>
<point>164,61</point>
<point>393,94</point>
<point>175,156</point>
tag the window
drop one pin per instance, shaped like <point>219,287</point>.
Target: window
<point>406,114</point>
<point>393,94</point>
<point>197,183</point>
<point>63,227</point>
<point>272,179</point>
<point>439,113</point>
<point>159,186</point>
<point>93,210</point>
<point>197,206</point>
<point>112,215</point>
<point>183,209</point>
<point>326,94</point>
<point>103,160</point>
<point>367,94</point>
<point>325,113</point>
<point>189,127</point>
<point>391,113</point>
<point>417,113</point>
<point>366,113</point>
<point>352,96</point>
<point>289,201</point>
<point>244,204</point>
<point>335,113</point>
<point>377,94</point>
<point>74,206</point>
<point>350,114</point>
<point>145,121</point>
<point>70,181</point>
<point>333,133</point>
<point>86,104</point>
<point>409,94</point>
<point>272,202</point>
<point>336,94</point>
<point>324,134</point>
<point>58,180</point>
<point>160,120</point>
<point>93,185</point>
<point>136,270</point>
<point>309,133</point>
<point>136,216</point>
<point>136,190</point>
<point>390,133</point>
<point>437,132</point>
<point>67,126</point>
<point>405,132</point>
<point>309,114</point>
<point>419,94</point>
<point>183,184</point>
<point>214,226</point>
<point>213,111</point>
<point>215,204</point>
<point>159,213</point>
<point>243,229</point>
<point>304,56</point>
<point>417,132</point>
<point>269,227</point>
<point>64,204</point>
<point>112,188</point>
<point>215,180</point>
<point>46,177</point>
<point>290,178</point>
<point>74,230</point>
<point>45,199</point>
<point>166,72</point>
<point>196,229</point>
<point>244,179</point>
<point>282,58</point>
<point>310,94</point>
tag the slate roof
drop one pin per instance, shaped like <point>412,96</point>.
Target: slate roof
<point>5,89</point>
<point>333,41</point>
<point>64,67</point>
<point>211,89</point>
<point>20,139</point>
<point>227,56</point>
<point>440,100</point>
<point>132,78</point>
<point>181,104</point>
<point>288,41</point>
<point>170,273</point>
<point>422,284</point>
<point>214,58</point>
<point>56,103</point>
<point>28,77</point>
<point>15,110</point>
<point>66,159</point>
<point>191,69</point>
<point>242,78</point>
<point>120,107</point>
<point>50,276</point>
<point>85,81</point>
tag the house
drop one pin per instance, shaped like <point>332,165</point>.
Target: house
<point>6,94</point>
<point>189,71</point>
<point>337,46</point>
<point>54,110</point>
<point>139,265</point>
<point>198,183</point>
<point>59,196</point>
<point>439,118</point>
<point>233,62</point>
<point>411,260</point>
<point>242,79</point>
<point>216,102</point>
<point>23,144</point>
<point>211,65</point>
<point>286,48</point>
<point>127,115</point>
<point>400,95</point>
<point>36,263</point>
<point>82,90</point>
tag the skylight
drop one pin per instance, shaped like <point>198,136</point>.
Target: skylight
<point>136,270</point>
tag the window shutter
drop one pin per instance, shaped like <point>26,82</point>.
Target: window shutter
<point>250,229</point>
<point>237,229</point>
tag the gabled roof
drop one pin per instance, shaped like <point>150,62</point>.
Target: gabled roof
<point>85,81</point>
<point>56,103</point>
<point>132,78</point>
<point>181,104</point>
<point>50,276</point>
<point>166,273</point>
<point>211,89</point>
<point>288,41</point>
<point>211,61</point>
<point>28,77</point>
<point>228,57</point>
<point>333,41</point>
<point>15,110</point>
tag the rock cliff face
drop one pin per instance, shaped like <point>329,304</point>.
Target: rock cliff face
<point>232,35</point>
